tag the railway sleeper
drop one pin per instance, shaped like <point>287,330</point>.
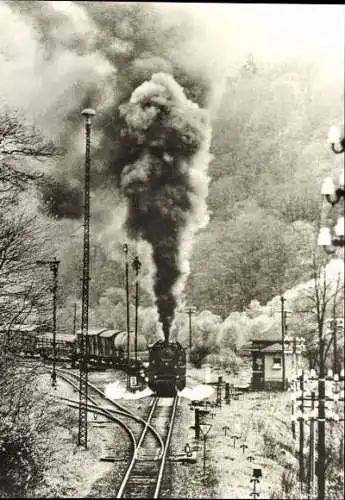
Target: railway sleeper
<point>136,479</point>
<point>145,465</point>
<point>148,457</point>
<point>139,492</point>
<point>112,459</point>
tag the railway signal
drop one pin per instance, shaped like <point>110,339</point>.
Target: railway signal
<point>136,266</point>
<point>54,267</point>
<point>205,429</point>
<point>255,479</point>
<point>225,429</point>
<point>243,446</point>
<point>235,439</point>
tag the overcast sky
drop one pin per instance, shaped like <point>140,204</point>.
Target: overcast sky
<point>228,33</point>
<point>277,30</point>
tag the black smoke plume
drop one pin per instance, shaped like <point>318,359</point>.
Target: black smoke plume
<point>148,140</point>
<point>166,131</point>
<point>60,199</point>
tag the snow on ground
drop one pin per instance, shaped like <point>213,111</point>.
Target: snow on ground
<point>198,392</point>
<point>117,390</point>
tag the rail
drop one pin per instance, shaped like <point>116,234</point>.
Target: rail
<point>145,470</point>
<point>134,457</point>
<point>124,410</point>
<point>166,449</point>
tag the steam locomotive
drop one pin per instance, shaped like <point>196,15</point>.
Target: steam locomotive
<point>163,366</point>
<point>167,368</point>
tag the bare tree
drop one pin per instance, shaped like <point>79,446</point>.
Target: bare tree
<point>20,146</point>
<point>319,302</point>
<point>24,288</point>
<point>22,240</point>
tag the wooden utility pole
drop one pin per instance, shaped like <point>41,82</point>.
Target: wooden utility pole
<point>283,320</point>
<point>334,324</point>
<point>321,444</point>
<point>74,318</point>
<point>301,433</point>
<point>190,311</point>
<point>311,449</point>
<point>293,424</point>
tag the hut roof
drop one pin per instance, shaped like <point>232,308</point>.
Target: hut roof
<point>277,347</point>
<point>270,336</point>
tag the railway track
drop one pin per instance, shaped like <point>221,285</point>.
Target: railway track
<point>150,437</point>
<point>121,410</point>
<point>145,470</point>
<point>144,475</point>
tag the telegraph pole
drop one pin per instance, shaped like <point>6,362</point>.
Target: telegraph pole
<point>74,318</point>
<point>283,316</point>
<point>301,433</point>
<point>136,266</point>
<point>311,449</point>
<point>334,337</point>
<point>84,347</point>
<point>321,445</point>
<point>190,311</point>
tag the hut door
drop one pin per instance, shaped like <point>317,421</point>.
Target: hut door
<point>258,371</point>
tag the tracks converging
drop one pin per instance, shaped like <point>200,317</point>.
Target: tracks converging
<point>150,437</point>
<point>144,475</point>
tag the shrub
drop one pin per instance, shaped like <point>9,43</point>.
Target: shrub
<point>23,426</point>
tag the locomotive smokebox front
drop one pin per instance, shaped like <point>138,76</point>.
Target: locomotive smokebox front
<point>167,368</point>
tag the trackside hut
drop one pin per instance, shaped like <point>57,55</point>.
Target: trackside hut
<point>267,363</point>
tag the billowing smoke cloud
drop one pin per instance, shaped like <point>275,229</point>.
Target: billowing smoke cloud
<point>100,54</point>
<point>166,131</point>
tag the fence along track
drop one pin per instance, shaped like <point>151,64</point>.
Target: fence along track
<point>145,472</point>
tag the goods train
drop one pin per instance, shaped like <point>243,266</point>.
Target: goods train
<point>163,364</point>
<point>167,368</point>
<point>105,347</point>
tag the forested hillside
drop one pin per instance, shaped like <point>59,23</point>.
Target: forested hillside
<point>270,156</point>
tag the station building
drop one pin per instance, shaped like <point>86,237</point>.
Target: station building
<point>267,361</point>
